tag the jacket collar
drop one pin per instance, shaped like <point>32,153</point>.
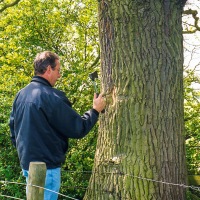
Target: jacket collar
<point>41,80</point>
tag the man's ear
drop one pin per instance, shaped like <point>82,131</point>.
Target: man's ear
<point>48,71</point>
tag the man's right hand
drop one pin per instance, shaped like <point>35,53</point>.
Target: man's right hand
<point>98,102</point>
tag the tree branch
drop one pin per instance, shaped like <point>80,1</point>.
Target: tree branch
<point>194,14</point>
<point>9,5</point>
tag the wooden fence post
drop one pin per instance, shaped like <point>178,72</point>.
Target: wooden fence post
<point>37,174</point>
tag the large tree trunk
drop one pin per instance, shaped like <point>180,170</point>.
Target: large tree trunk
<point>141,132</point>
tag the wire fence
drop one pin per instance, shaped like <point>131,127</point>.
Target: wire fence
<point>192,187</point>
<point>12,182</point>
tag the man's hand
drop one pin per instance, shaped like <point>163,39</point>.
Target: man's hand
<point>98,102</point>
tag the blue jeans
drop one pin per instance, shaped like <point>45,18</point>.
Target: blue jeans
<point>52,182</point>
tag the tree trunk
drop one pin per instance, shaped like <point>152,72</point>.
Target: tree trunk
<point>141,133</point>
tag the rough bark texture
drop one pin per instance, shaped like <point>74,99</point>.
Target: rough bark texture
<point>141,132</point>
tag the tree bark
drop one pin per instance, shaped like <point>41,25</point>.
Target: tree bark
<point>141,132</point>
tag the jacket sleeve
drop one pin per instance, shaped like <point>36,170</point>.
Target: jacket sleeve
<point>69,123</point>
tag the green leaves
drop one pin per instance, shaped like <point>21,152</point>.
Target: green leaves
<point>192,123</point>
<point>69,28</point>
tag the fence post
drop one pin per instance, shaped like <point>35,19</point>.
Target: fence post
<point>37,174</point>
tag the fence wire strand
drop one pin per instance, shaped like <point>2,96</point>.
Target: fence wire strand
<point>12,182</point>
<point>141,178</point>
<point>1,195</point>
<point>96,172</point>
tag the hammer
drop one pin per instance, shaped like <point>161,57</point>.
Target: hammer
<point>92,77</point>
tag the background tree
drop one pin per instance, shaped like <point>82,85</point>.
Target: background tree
<point>141,133</point>
<point>192,89</point>
<point>67,28</point>
<point>192,125</point>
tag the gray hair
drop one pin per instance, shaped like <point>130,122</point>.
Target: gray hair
<point>43,60</point>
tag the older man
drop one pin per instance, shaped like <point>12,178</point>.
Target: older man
<point>42,120</point>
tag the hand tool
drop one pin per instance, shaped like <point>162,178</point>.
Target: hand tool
<point>92,77</point>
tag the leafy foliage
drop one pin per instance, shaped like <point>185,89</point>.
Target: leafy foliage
<point>69,29</point>
<point>192,125</point>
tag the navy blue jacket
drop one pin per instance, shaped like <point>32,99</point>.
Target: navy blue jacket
<point>41,122</point>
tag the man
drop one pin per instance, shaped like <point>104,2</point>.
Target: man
<point>42,120</point>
